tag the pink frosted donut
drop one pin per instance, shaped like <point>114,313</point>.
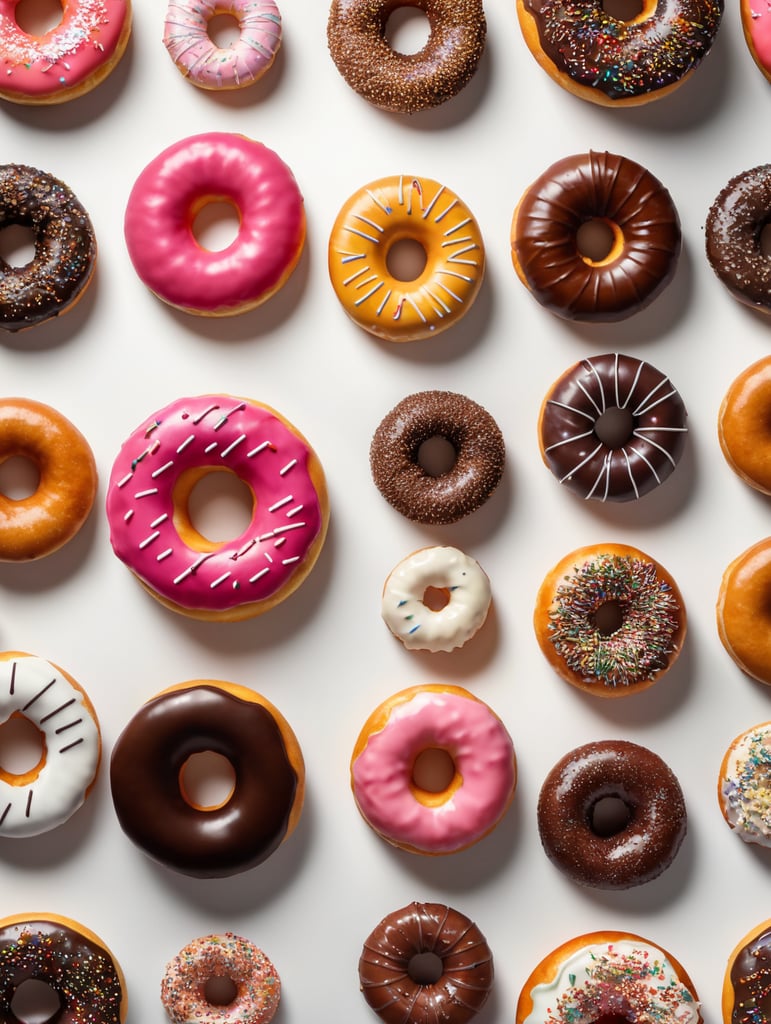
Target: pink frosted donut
<point>147,507</point>
<point>173,189</point>
<point>756,22</point>
<point>199,59</point>
<point>399,806</point>
<point>69,59</point>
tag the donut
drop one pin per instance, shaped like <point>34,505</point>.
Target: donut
<point>41,523</point>
<point>630,848</point>
<point>147,507</point>
<point>742,610</point>
<point>743,788</point>
<point>148,793</point>
<point>756,24</point>
<point>404,83</point>
<point>176,185</point>
<point>612,428</point>
<point>408,809</point>
<point>612,193</point>
<point>609,619</point>
<point>608,975</point>
<point>410,488</point>
<point>67,957</point>
<point>617,62</point>
<point>65,247</point>
<point>388,962</point>
<point>745,995</point>
<point>67,61</point>
<point>743,425</point>
<point>255,980</point>
<point>436,599</point>
<point>202,62</point>
<point>383,214</point>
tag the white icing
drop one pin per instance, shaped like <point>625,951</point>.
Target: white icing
<point>745,786</point>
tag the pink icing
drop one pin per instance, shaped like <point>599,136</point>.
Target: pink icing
<point>64,57</point>
<point>187,39</point>
<point>483,754</point>
<point>221,432</point>
<point>759,28</point>
<point>173,187</point>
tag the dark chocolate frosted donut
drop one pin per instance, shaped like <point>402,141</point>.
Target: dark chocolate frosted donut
<point>476,472</point>
<point>640,847</point>
<point>626,458</point>
<point>65,247</point>
<point>419,928</point>
<point>734,226</point>
<point>747,981</point>
<point>639,215</point>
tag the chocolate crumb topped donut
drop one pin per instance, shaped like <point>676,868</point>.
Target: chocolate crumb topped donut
<point>734,227</point>
<point>389,956</point>
<point>65,247</point>
<point>412,490</point>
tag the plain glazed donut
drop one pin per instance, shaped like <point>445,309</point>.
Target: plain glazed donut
<point>405,83</point>
<point>609,974</point>
<point>65,248</point>
<point>743,788</point>
<point>743,612</point>
<point>381,215</point>
<point>150,527</point>
<point>636,210</point>
<point>479,457</point>
<point>67,957</point>
<point>68,60</point>
<point>747,978</point>
<point>389,950</point>
<point>255,980</point>
<point>175,186</point>
<point>756,23</point>
<point>615,62</point>
<point>146,776</point>
<point>39,524</point>
<point>202,62</point>
<point>743,425</point>
<point>639,848</point>
<point>394,800</point>
<point>646,435</point>
<point>610,620</point>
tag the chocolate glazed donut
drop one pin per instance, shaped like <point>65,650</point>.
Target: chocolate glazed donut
<point>734,227</point>
<point>747,983</point>
<point>642,221</point>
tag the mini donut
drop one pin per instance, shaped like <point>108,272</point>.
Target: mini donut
<point>398,805</point>
<point>388,958</point>
<point>463,598</point>
<point>747,978</point>
<point>399,82</point>
<point>743,425</point>
<point>255,980</point>
<point>479,457</point>
<point>744,785</point>
<point>148,793</point>
<point>67,957</point>
<point>150,527</point>
<point>208,66</point>
<point>623,853</point>
<point>39,524</point>
<point>743,611</point>
<point>644,238</point>
<point>616,62</point>
<point>608,975</point>
<point>610,620</point>
<point>57,276</point>
<point>381,215</point>
<point>67,61</point>
<point>612,428</point>
<point>175,186</point>
<point>756,23</point>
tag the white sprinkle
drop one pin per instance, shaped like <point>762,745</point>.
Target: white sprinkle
<point>146,494</point>
<point>258,449</point>
<point>288,561</point>
<point>161,469</point>
<point>163,554</point>
<point>294,511</point>
<point>281,503</point>
<point>148,540</point>
<point>210,447</point>
<point>232,445</point>
<point>128,515</point>
<point>188,440</point>
<point>259,575</point>
<point>125,480</point>
<point>161,519</point>
<point>220,579</point>
<point>287,467</point>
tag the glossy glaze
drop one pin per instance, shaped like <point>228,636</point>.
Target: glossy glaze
<point>744,785</point>
<point>742,610</point>
<point>744,425</point>
<point>734,225</point>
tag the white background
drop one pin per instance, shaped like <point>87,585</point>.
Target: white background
<point>324,657</point>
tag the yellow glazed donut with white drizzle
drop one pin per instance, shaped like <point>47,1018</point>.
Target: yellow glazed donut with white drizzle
<point>379,216</point>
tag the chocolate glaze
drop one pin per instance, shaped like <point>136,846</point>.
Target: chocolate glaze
<point>576,455</point>
<point>144,774</point>
<point>734,226</point>
<point>65,247</point>
<point>472,432</point>
<point>648,842</point>
<point>582,188</point>
<point>750,975</point>
<point>467,966</point>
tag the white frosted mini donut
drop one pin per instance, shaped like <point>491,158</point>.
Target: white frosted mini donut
<point>462,583</point>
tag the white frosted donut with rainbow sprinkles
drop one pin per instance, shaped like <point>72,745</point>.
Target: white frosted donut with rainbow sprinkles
<point>209,66</point>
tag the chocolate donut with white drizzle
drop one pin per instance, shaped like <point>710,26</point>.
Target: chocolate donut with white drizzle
<point>612,428</point>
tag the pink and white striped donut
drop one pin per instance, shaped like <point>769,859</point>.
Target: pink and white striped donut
<point>202,62</point>
<point>150,526</point>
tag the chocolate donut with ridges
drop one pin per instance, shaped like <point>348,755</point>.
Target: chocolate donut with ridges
<point>733,230</point>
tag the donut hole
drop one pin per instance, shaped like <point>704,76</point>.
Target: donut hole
<point>598,240</point>
<point>207,780</point>
<point>215,224</point>
<point>425,968</point>
<point>436,456</point>
<point>609,816</point>
<point>625,10</point>
<point>19,477</point>
<point>614,427</point>
<point>17,245</point>
<point>219,990</point>
<point>433,770</point>
<point>608,618</point>
<point>22,748</point>
<point>406,259</point>
<point>224,30</point>
<point>407,30</point>
<point>35,1002</point>
<point>36,17</point>
<point>764,239</point>
<point>436,598</point>
<point>220,506</point>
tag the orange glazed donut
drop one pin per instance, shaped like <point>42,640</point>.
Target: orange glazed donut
<point>747,978</point>
<point>744,425</point>
<point>743,611</point>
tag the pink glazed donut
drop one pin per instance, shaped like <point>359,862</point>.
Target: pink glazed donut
<point>756,23</point>
<point>174,188</point>
<point>396,802</point>
<point>150,527</point>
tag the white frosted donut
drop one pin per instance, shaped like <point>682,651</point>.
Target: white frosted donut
<point>462,584</point>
